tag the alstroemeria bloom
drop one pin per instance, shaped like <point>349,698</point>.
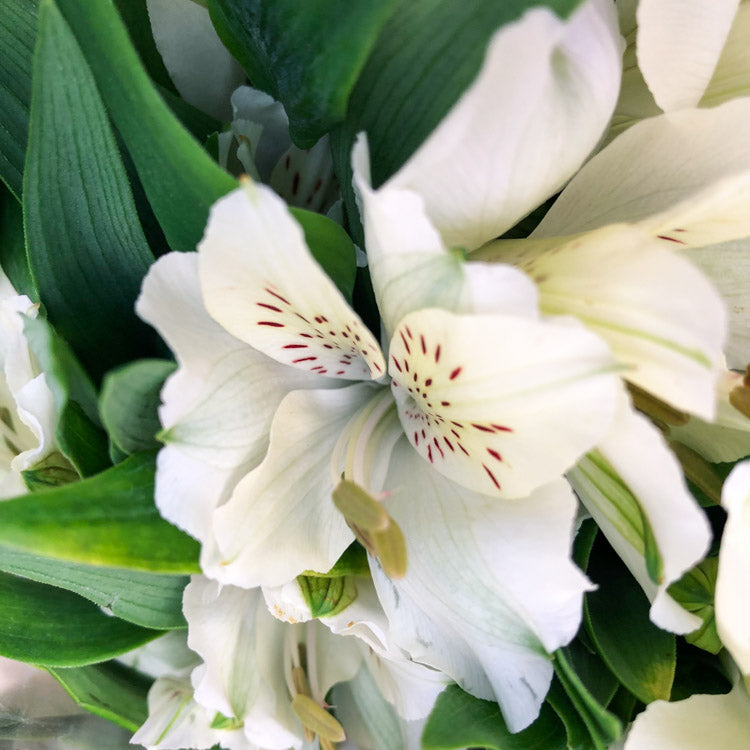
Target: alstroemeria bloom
<point>27,409</point>
<point>494,402</point>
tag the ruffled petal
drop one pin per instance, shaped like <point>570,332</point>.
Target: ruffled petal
<point>511,141</point>
<point>633,487</point>
<point>412,269</point>
<point>261,283</point>
<point>217,407</point>
<point>679,43</point>
<point>499,404</point>
<point>733,581</point>
<point>490,589</point>
<point>281,519</point>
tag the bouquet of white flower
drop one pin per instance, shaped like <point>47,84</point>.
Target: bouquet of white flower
<point>375,375</point>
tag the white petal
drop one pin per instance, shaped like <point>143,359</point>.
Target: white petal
<point>658,313</point>
<point>304,177</point>
<point>679,43</point>
<point>262,285</point>
<point>412,269</point>
<point>634,476</point>
<point>217,407</point>
<point>733,582</point>
<point>511,141</point>
<point>728,267</point>
<point>281,519</point>
<point>684,176</point>
<point>727,438</point>
<point>500,404</point>
<point>203,71</point>
<point>236,637</point>
<point>701,722</point>
<point>489,590</point>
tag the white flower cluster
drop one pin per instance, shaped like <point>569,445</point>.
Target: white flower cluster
<point>454,449</point>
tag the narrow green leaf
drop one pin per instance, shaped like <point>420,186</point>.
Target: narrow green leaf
<point>78,434</point>
<point>129,402</point>
<point>306,55</point>
<point>641,655</point>
<point>179,177</point>
<point>603,727</point>
<point>427,54</point>
<point>148,599</point>
<point>86,248</point>
<point>460,720</point>
<point>110,690</point>
<point>13,258</point>
<point>575,729</point>
<point>17,35</point>
<point>331,246</point>
<point>49,626</point>
<point>109,519</point>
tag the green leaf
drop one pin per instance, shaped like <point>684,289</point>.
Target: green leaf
<point>327,596</point>
<point>460,720</point>
<point>578,736</point>
<point>129,403</point>
<point>13,258</point>
<point>427,54</point>
<point>695,592</point>
<point>86,249</point>
<point>110,690</point>
<point>641,655</point>
<point>331,246</point>
<point>17,35</point>
<point>603,727</point>
<point>698,672</point>
<point>148,599</point>
<point>353,562</point>
<point>78,434</point>
<point>49,626</point>
<point>109,519</point>
<point>594,674</point>
<point>179,177</point>
<point>306,55</point>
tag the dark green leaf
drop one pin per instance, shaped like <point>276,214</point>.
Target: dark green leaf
<point>624,705</point>
<point>603,727</point>
<point>17,35</point>
<point>109,519</point>
<point>641,655</point>
<point>459,720</point>
<point>306,55</point>
<point>575,729</point>
<point>129,402</point>
<point>86,249</point>
<point>594,674</point>
<point>46,625</point>
<point>179,177</point>
<point>698,672</point>
<point>427,54</point>
<point>147,599</point>
<point>110,690</point>
<point>331,247</point>
<point>13,245</point>
<point>78,434</point>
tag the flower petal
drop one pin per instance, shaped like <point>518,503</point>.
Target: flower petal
<point>511,141</point>
<point>490,588</point>
<point>733,581</point>
<point>285,504</point>
<point>200,66</point>
<point>262,285</point>
<point>679,43</point>
<point>657,312</point>
<point>633,487</point>
<point>500,404</point>
<point>701,722</point>
<point>411,268</point>
<point>684,177</point>
<point>217,407</point>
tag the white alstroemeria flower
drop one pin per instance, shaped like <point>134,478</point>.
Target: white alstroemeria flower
<point>202,69</point>
<point>260,132</point>
<point>28,414</point>
<point>489,397</point>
